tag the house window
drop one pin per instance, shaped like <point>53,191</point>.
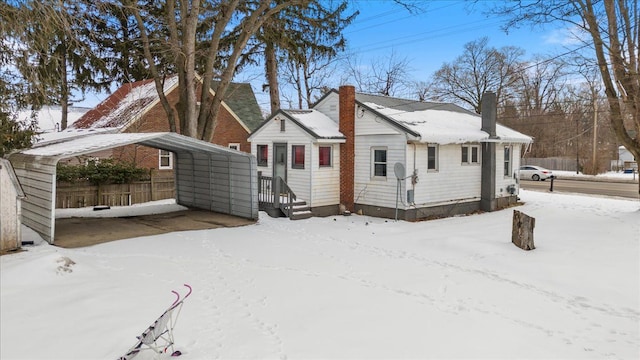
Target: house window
<point>234,146</point>
<point>165,160</point>
<point>470,154</point>
<point>324,156</point>
<point>432,157</point>
<point>263,155</point>
<point>297,158</point>
<point>379,157</point>
<point>282,124</point>
<point>507,161</point>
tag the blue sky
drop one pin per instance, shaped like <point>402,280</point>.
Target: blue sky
<point>427,38</point>
<point>437,34</point>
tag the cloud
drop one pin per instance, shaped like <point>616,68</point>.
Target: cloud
<point>567,36</point>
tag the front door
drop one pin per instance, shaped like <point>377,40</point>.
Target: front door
<point>280,161</point>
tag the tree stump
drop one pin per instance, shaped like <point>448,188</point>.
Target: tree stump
<point>522,230</point>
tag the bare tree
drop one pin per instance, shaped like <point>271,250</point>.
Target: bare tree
<point>539,85</point>
<point>308,78</point>
<point>218,31</point>
<point>479,69</point>
<point>385,76</point>
<point>612,27</point>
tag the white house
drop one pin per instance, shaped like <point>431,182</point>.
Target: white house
<point>11,196</point>
<point>625,161</point>
<point>392,157</point>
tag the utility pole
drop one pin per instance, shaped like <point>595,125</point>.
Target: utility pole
<point>595,131</point>
<point>577,145</point>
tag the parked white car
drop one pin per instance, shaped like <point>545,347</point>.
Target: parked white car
<point>535,173</point>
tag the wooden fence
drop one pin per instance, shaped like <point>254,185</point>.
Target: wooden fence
<point>83,195</point>
<point>555,163</point>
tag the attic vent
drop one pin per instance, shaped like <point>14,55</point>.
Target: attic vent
<point>333,107</point>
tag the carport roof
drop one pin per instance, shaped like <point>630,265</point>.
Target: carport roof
<point>98,142</point>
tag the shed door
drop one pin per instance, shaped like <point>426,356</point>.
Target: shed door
<point>280,161</point>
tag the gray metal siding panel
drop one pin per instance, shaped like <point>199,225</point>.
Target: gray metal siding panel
<point>37,206</point>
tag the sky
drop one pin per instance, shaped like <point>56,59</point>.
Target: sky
<point>426,38</point>
<point>341,287</point>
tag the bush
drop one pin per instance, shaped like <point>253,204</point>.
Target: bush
<point>100,172</point>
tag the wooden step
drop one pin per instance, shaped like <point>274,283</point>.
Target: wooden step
<point>299,210</point>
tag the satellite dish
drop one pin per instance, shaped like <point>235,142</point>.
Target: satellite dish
<point>398,169</point>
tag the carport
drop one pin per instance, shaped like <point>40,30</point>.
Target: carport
<point>207,176</point>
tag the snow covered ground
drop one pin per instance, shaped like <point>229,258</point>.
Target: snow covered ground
<point>608,176</point>
<point>344,287</point>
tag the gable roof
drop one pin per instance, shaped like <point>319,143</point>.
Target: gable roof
<point>131,101</point>
<point>315,123</point>
<point>241,99</point>
<point>125,105</point>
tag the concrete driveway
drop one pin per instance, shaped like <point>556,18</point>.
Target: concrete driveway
<point>78,232</point>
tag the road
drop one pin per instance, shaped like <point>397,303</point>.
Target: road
<point>628,190</point>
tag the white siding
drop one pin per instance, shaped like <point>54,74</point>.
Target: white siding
<point>270,134</point>
<point>371,190</point>
<point>329,106</point>
<point>326,180</point>
<point>38,182</point>
<point>299,180</point>
<point>452,182</point>
<point>502,181</point>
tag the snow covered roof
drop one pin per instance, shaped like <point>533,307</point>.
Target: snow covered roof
<point>317,124</point>
<point>446,126</point>
<point>68,134</point>
<point>125,105</point>
<point>49,118</point>
<point>97,142</point>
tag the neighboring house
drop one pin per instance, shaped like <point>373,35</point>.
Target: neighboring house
<point>345,152</point>
<point>626,160</point>
<point>136,108</point>
<point>11,196</point>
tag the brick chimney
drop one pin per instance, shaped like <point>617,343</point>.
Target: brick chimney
<point>347,113</point>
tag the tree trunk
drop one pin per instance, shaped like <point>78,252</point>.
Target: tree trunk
<point>272,76</point>
<point>522,230</point>
<point>64,93</point>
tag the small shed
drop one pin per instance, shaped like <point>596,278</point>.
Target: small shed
<point>11,195</point>
<point>207,176</point>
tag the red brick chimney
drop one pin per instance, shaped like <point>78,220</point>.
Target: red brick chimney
<point>347,111</point>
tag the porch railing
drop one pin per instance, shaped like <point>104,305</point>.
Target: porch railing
<point>274,192</point>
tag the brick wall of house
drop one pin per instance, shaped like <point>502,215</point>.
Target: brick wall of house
<point>227,131</point>
<point>347,110</point>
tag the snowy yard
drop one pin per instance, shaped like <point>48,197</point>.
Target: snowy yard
<point>345,287</point>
